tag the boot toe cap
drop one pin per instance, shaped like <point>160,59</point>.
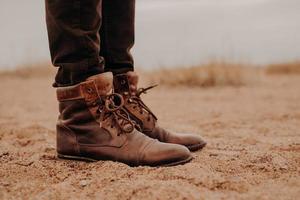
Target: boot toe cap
<point>194,142</point>
<point>163,154</point>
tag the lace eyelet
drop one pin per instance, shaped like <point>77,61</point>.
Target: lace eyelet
<point>89,90</point>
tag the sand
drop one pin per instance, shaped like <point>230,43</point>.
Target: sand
<point>253,151</point>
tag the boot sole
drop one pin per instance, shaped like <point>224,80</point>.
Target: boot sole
<point>76,158</point>
<point>182,162</point>
<point>79,158</point>
<point>196,147</point>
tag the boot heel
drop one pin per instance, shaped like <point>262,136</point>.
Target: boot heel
<point>61,156</point>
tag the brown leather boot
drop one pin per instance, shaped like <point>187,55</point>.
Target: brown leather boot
<point>93,125</point>
<point>126,84</point>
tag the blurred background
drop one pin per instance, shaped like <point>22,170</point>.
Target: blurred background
<point>173,32</point>
<point>226,69</point>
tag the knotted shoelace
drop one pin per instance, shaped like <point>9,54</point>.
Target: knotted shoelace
<point>112,106</point>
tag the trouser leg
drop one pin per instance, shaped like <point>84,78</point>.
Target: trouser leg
<point>73,31</point>
<point>117,35</point>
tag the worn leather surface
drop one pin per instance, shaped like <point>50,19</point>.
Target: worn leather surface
<point>127,85</point>
<point>93,124</point>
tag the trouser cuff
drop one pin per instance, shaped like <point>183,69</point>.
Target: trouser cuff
<point>74,73</point>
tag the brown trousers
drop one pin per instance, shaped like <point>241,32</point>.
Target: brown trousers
<point>87,37</point>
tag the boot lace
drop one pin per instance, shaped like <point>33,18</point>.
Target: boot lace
<point>136,99</point>
<point>112,107</point>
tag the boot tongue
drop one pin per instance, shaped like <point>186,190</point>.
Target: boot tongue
<point>126,82</point>
<point>103,82</point>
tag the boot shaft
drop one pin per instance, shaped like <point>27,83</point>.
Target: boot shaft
<point>126,83</point>
<point>80,108</point>
<point>87,92</point>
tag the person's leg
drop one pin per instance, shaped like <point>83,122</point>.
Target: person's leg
<point>93,124</point>
<point>117,35</point>
<point>117,38</point>
<point>73,32</point>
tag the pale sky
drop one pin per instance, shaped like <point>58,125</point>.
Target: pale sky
<point>173,32</point>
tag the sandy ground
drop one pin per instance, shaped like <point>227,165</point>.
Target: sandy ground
<point>253,150</point>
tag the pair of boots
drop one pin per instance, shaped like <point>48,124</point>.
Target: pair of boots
<point>104,118</point>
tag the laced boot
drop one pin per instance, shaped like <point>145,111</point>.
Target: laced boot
<point>126,84</point>
<point>93,125</point>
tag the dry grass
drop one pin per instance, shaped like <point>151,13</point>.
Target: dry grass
<point>284,68</point>
<point>209,75</point>
<point>28,71</point>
